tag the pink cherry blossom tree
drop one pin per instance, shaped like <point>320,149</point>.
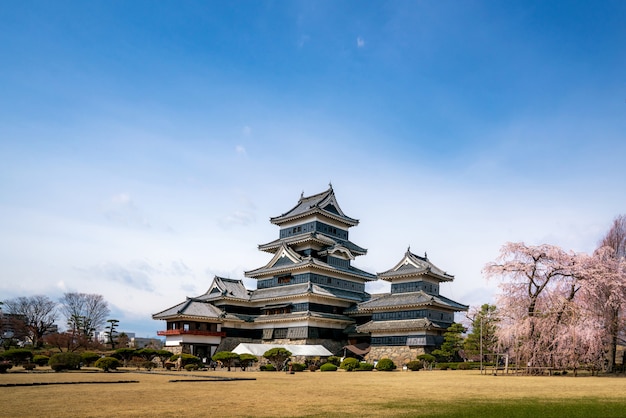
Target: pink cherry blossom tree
<point>538,286</point>
<point>604,294</point>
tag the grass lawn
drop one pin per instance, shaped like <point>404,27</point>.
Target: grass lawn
<point>339,394</point>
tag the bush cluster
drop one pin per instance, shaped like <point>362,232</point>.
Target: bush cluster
<point>297,367</point>
<point>385,365</point>
<point>328,367</point>
<point>334,360</point>
<point>17,355</point>
<point>414,365</point>
<point>65,361</point>
<point>187,359</point>
<point>350,364</point>
<point>107,363</point>
<point>267,368</point>
<point>41,360</point>
<point>366,367</point>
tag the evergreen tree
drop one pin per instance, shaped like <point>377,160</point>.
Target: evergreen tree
<point>482,339</point>
<point>452,343</point>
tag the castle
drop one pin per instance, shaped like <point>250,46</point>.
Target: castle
<point>310,293</point>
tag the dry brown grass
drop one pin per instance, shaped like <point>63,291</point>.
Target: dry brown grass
<point>280,394</point>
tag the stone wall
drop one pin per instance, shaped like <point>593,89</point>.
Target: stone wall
<point>400,355</point>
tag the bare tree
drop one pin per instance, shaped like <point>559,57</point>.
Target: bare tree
<point>85,312</point>
<point>38,314</point>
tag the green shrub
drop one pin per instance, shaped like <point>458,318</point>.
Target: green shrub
<point>148,365</point>
<point>65,361</point>
<point>366,367</point>
<point>385,365</point>
<point>464,366</point>
<point>89,357</point>
<point>414,365</point>
<point>350,364</point>
<point>267,368</point>
<point>191,367</point>
<point>107,363</point>
<point>5,365</point>
<point>29,366</point>
<point>297,367</point>
<point>328,367</point>
<point>334,360</point>
<point>443,366</point>
<point>429,358</point>
<point>40,360</point>
<point>187,359</point>
<point>17,355</point>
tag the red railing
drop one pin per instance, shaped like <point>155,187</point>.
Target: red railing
<point>191,332</point>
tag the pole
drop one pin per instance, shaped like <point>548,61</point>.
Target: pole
<point>481,345</point>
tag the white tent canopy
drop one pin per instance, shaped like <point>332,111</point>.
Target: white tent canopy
<point>296,350</point>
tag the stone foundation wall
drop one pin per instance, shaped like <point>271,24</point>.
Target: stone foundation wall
<point>400,355</point>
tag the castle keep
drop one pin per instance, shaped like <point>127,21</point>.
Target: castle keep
<point>310,293</point>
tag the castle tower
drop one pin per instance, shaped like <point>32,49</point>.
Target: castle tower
<point>310,280</point>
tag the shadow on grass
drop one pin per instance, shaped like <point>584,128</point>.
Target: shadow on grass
<point>514,408</point>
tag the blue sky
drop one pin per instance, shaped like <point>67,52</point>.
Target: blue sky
<point>145,145</point>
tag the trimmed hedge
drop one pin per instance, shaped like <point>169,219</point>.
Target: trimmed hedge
<point>89,357</point>
<point>334,360</point>
<point>385,365</point>
<point>107,363</point>
<point>414,365</point>
<point>40,360</point>
<point>267,368</point>
<point>17,355</point>
<point>328,367</point>
<point>350,364</point>
<point>366,367</point>
<point>65,361</point>
<point>297,367</point>
<point>187,359</point>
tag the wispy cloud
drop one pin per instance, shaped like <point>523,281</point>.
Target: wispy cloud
<point>238,218</point>
<point>122,210</point>
<point>136,274</point>
<point>360,42</point>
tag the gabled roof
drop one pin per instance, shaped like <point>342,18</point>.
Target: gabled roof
<point>414,265</point>
<point>408,300</point>
<point>191,307</point>
<point>323,203</point>
<point>287,260</point>
<point>226,288</point>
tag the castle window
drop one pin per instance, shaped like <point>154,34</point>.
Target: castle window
<point>284,279</point>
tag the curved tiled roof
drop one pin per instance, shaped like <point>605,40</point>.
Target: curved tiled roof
<point>191,308</point>
<point>300,262</point>
<point>414,265</point>
<point>407,300</point>
<point>323,203</point>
